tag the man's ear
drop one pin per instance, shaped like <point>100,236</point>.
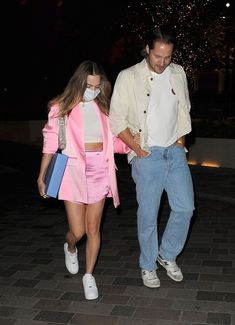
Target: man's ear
<point>147,49</point>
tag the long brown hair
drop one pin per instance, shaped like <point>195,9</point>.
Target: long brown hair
<point>74,91</point>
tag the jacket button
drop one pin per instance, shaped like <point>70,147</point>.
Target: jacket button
<point>144,112</point>
<point>148,94</point>
<point>107,160</point>
<point>151,78</point>
<point>140,130</point>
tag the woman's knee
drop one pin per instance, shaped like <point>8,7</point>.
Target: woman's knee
<point>92,229</point>
<point>77,234</point>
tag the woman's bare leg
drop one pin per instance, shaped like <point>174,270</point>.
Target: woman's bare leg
<point>76,220</point>
<point>92,226</point>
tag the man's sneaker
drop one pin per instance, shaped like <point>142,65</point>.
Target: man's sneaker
<point>90,288</point>
<point>173,271</point>
<point>150,279</point>
<point>71,260</point>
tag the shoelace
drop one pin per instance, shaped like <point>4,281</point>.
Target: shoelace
<point>151,275</point>
<point>173,266</point>
<point>73,258</point>
<point>91,282</point>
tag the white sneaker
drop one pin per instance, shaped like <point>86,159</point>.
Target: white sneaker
<point>173,271</point>
<point>150,279</point>
<point>90,288</point>
<point>71,260</point>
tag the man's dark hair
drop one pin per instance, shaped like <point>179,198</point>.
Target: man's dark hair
<point>162,34</point>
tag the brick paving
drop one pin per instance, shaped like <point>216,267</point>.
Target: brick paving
<point>35,287</point>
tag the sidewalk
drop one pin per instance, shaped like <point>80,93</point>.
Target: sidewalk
<point>35,287</point>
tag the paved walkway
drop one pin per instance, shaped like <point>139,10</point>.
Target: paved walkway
<point>35,287</point>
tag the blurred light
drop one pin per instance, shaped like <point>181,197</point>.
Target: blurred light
<point>227,4</point>
<point>204,163</point>
<point>189,20</point>
<point>192,162</point>
<point>210,164</point>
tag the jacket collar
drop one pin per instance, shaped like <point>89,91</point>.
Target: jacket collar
<point>142,69</point>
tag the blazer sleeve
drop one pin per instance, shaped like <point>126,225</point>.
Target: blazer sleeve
<point>119,146</point>
<point>50,132</point>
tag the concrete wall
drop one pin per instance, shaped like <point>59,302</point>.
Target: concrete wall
<point>205,151</point>
<point>213,152</point>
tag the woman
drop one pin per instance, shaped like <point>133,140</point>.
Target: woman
<point>90,174</point>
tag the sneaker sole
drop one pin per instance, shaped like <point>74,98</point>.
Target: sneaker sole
<point>91,298</point>
<point>70,271</point>
<point>170,276</point>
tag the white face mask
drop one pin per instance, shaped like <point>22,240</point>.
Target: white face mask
<point>90,94</point>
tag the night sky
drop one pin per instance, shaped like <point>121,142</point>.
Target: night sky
<point>44,40</point>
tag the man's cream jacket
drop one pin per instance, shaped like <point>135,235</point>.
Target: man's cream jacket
<point>130,99</point>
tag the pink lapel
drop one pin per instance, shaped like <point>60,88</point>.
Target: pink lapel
<point>104,125</point>
<point>76,127</point>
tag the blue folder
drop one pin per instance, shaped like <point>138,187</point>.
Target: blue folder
<point>54,174</point>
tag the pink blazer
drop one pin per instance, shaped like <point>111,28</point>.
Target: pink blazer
<point>75,146</point>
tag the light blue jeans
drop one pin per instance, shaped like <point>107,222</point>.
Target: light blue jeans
<point>164,169</point>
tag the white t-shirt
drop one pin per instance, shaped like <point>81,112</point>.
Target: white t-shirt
<point>162,111</point>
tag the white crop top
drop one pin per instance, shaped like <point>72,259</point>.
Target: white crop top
<point>92,128</point>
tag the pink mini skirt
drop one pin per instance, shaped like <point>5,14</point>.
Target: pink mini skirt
<point>96,176</point>
<point>97,180</point>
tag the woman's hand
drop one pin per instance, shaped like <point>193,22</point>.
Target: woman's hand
<point>41,188</point>
<point>46,158</point>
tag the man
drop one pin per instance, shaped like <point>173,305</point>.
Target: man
<point>151,98</point>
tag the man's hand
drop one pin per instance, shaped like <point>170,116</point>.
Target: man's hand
<point>133,142</point>
<point>141,153</point>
